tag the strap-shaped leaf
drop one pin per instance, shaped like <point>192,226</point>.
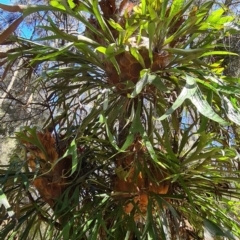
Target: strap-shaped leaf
<point>57,4</point>
<point>176,7</point>
<point>218,53</point>
<point>72,150</point>
<point>111,138</point>
<point>204,108</point>
<point>188,91</point>
<point>30,136</point>
<point>4,202</point>
<point>215,15</point>
<point>192,92</point>
<point>216,230</point>
<point>141,84</point>
<point>101,20</point>
<point>146,79</point>
<point>134,51</point>
<point>232,113</point>
<point>70,37</point>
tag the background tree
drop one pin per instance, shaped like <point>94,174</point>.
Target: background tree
<point>139,142</point>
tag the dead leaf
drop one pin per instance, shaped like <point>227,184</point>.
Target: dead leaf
<point>14,8</point>
<point>5,34</point>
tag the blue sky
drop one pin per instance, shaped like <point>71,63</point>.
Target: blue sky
<point>5,1</point>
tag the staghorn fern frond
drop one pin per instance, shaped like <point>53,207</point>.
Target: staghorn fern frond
<point>110,161</point>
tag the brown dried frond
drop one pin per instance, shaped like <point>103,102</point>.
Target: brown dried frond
<point>48,190</point>
<point>160,60</point>
<point>126,7</point>
<point>139,182</point>
<point>49,144</point>
<point>53,181</point>
<point>130,68</point>
<point>108,8</point>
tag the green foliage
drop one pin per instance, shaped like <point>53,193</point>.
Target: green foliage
<point>145,85</point>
